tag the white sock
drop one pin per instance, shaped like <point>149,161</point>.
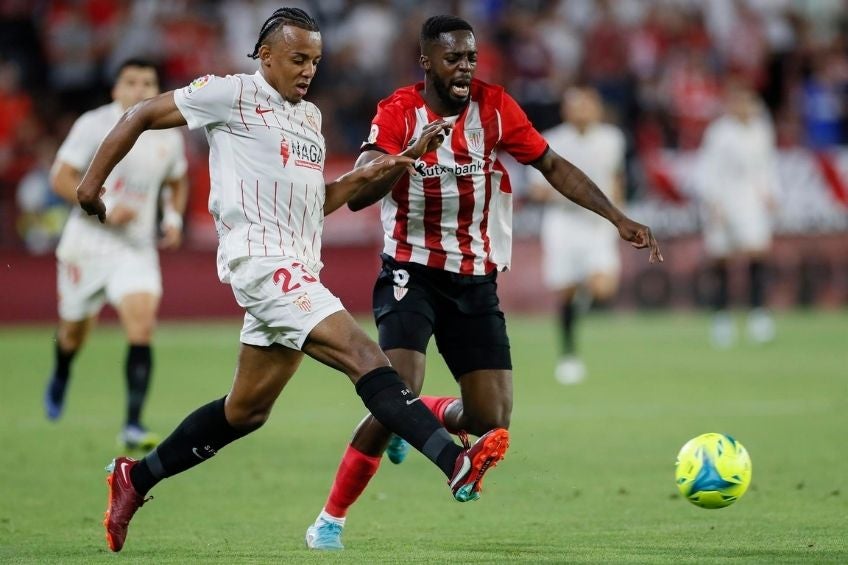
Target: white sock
<point>328,518</point>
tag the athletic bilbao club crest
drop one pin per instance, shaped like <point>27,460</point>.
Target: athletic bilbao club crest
<point>303,302</point>
<point>400,292</point>
<point>284,151</point>
<point>400,277</point>
<point>475,139</point>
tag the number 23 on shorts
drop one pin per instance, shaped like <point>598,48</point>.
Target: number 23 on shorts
<point>289,279</point>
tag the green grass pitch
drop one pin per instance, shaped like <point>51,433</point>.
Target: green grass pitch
<point>588,479</point>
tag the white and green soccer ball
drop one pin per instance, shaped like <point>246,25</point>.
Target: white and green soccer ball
<point>713,470</point>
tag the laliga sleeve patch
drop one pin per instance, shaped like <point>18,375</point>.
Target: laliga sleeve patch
<point>197,84</point>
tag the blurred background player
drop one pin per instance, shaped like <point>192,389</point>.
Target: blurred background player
<point>447,232</point>
<point>117,262</point>
<point>579,248</point>
<point>737,181</point>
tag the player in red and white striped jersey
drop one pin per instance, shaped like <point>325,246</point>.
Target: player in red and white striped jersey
<point>447,232</point>
<point>268,200</point>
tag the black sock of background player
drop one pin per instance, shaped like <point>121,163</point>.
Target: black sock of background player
<point>196,439</point>
<point>139,365</point>
<point>721,296</point>
<point>757,273</point>
<point>567,317</point>
<point>62,363</point>
<point>400,410</point>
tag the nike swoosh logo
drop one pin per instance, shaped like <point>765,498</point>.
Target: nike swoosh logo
<point>199,456</point>
<point>466,465</point>
<point>124,466</point>
<point>260,111</point>
<point>408,402</point>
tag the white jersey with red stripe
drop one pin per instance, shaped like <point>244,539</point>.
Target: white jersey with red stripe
<point>456,213</point>
<point>266,163</point>
<point>134,183</point>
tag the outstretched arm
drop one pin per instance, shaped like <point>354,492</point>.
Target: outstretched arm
<point>430,139</point>
<point>376,171</point>
<point>159,112</point>
<point>573,183</point>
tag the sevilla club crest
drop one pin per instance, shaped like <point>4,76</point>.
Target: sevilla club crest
<point>284,150</point>
<point>303,302</point>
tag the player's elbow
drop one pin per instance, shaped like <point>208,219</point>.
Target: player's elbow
<point>138,117</point>
<point>359,201</point>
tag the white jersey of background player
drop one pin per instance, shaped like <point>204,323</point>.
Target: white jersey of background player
<point>117,262</point>
<point>736,180</point>
<point>580,248</point>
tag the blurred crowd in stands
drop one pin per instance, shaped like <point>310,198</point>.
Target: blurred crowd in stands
<point>659,64</point>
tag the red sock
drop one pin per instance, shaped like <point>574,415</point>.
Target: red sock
<point>355,470</point>
<point>438,405</point>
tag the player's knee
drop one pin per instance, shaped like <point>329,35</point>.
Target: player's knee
<point>141,332</point>
<point>603,287</point>
<point>487,422</point>
<point>248,418</point>
<point>71,342</point>
<point>366,359</point>
<point>71,338</point>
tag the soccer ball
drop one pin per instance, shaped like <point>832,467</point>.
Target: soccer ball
<point>713,470</point>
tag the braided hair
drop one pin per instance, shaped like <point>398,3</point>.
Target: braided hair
<point>282,17</point>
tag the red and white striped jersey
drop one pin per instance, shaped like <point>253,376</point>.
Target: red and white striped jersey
<point>455,214</point>
<point>266,163</point>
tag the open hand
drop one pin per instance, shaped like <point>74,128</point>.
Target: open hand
<point>432,136</point>
<point>384,165</point>
<point>640,236</point>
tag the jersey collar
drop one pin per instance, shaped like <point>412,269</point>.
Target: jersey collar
<point>263,84</point>
<point>418,88</point>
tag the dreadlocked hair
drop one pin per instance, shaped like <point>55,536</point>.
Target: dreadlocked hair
<point>281,17</point>
<point>435,26</point>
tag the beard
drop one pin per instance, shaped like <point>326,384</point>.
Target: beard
<point>452,102</point>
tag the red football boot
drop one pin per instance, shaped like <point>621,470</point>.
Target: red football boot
<point>123,502</point>
<point>467,480</point>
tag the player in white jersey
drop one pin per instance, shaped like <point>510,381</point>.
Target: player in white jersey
<point>447,234</point>
<point>737,180</point>
<point>117,261</point>
<point>268,200</point>
<point>580,249</point>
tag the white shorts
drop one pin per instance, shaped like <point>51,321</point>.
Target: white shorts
<point>283,299</point>
<point>86,284</point>
<point>574,249</point>
<point>738,229</point>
